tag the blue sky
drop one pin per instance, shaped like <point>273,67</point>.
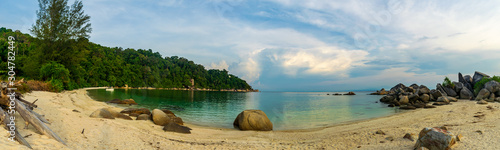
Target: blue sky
<point>293,45</point>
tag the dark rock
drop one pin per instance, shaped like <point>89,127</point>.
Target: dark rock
<point>450,91</point>
<point>380,132</point>
<point>443,99</point>
<point>439,103</point>
<point>126,101</point>
<point>74,110</point>
<point>143,117</point>
<point>116,114</point>
<point>478,76</point>
<point>436,94</point>
<point>414,86</point>
<point>136,110</point>
<point>173,127</point>
<point>391,105</point>
<point>461,78</point>
<point>396,89</point>
<point>253,120</point>
<point>387,99</point>
<point>435,139</point>
<point>423,90</point>
<point>409,136</point>
<point>424,98</point>
<point>350,93</point>
<point>483,94</point>
<point>430,106</point>
<point>466,94</point>
<point>419,105</point>
<point>381,92</point>
<point>116,101</point>
<point>492,86</point>
<point>413,98</point>
<point>458,86</point>
<point>407,107</point>
<point>468,79</point>
<point>440,88</point>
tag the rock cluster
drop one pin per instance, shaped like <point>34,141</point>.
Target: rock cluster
<point>415,96</point>
<point>380,92</point>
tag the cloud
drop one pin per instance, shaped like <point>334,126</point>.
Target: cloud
<point>222,65</point>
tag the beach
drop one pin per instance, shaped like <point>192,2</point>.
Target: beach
<point>69,113</point>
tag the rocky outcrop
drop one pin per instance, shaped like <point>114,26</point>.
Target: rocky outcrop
<point>435,139</point>
<point>125,101</point>
<point>350,93</point>
<point>173,127</point>
<point>380,92</point>
<point>253,120</point>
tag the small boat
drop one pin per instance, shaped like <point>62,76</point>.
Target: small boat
<point>110,89</point>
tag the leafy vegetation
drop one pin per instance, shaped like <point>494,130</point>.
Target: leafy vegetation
<point>447,83</point>
<point>480,85</point>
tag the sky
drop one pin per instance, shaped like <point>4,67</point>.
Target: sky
<point>295,45</point>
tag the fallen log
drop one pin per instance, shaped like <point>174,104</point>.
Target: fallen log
<point>5,119</point>
<point>35,121</point>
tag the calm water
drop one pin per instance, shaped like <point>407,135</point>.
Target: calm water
<point>286,110</point>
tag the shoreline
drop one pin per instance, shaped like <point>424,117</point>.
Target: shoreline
<point>189,89</point>
<point>99,133</point>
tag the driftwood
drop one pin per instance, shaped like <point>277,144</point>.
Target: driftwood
<point>30,117</point>
<point>5,119</point>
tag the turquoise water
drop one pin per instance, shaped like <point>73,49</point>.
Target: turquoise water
<point>286,110</point>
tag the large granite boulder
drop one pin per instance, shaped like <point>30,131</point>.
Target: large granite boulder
<point>174,127</point>
<point>143,117</point>
<point>450,91</point>
<point>483,94</point>
<point>466,94</point>
<point>423,90</point>
<point>425,98</point>
<point>492,86</point>
<point>461,78</point>
<point>387,99</point>
<point>253,120</point>
<point>458,87</point>
<point>403,100</point>
<point>414,86</point>
<point>468,79</point>
<point>436,94</point>
<point>478,76</point>
<point>443,99</point>
<point>435,139</point>
<point>440,88</point>
<point>162,118</point>
<point>102,113</point>
<point>136,110</point>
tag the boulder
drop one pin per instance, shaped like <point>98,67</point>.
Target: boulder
<point>497,99</point>
<point>102,113</point>
<point>253,120</point>
<point>439,103</point>
<point>443,99</point>
<point>478,76</point>
<point>387,99</point>
<point>468,79</point>
<point>413,98</point>
<point>136,110</point>
<point>126,101</point>
<point>483,102</point>
<point>143,117</point>
<point>440,88</point>
<point>458,87</point>
<point>396,89</point>
<point>461,78</point>
<point>452,99</point>
<point>492,98</point>
<point>492,86</point>
<point>414,86</point>
<point>435,139</point>
<point>174,127</point>
<point>436,94</point>
<point>450,91</point>
<point>408,107</point>
<point>403,100</point>
<point>466,94</point>
<point>425,98</point>
<point>423,90</point>
<point>116,114</point>
<point>483,94</point>
<point>409,136</point>
<point>160,118</point>
<point>380,92</point>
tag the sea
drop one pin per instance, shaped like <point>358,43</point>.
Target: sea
<point>286,110</point>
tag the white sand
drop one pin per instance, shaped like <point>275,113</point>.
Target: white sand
<point>131,134</point>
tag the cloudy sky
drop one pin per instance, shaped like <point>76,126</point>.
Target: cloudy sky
<point>295,45</point>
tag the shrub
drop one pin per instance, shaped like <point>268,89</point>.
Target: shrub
<point>447,83</point>
<point>56,85</point>
<point>57,74</point>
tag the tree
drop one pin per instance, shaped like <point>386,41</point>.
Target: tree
<point>61,35</point>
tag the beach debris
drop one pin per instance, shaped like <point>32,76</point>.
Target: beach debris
<point>174,127</point>
<point>409,136</point>
<point>74,110</point>
<point>435,138</point>
<point>479,131</point>
<point>143,117</point>
<point>136,110</point>
<point>480,116</point>
<point>253,120</point>
<point>162,118</point>
<point>459,137</point>
<point>125,101</point>
<point>380,132</point>
<point>482,102</point>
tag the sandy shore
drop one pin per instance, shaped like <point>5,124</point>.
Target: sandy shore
<point>131,134</point>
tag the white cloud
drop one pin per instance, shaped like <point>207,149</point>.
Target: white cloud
<point>222,65</point>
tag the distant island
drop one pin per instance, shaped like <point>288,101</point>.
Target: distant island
<point>94,65</point>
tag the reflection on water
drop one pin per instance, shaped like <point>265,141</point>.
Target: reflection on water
<point>287,110</point>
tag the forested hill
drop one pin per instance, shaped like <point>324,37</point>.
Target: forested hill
<point>91,64</point>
